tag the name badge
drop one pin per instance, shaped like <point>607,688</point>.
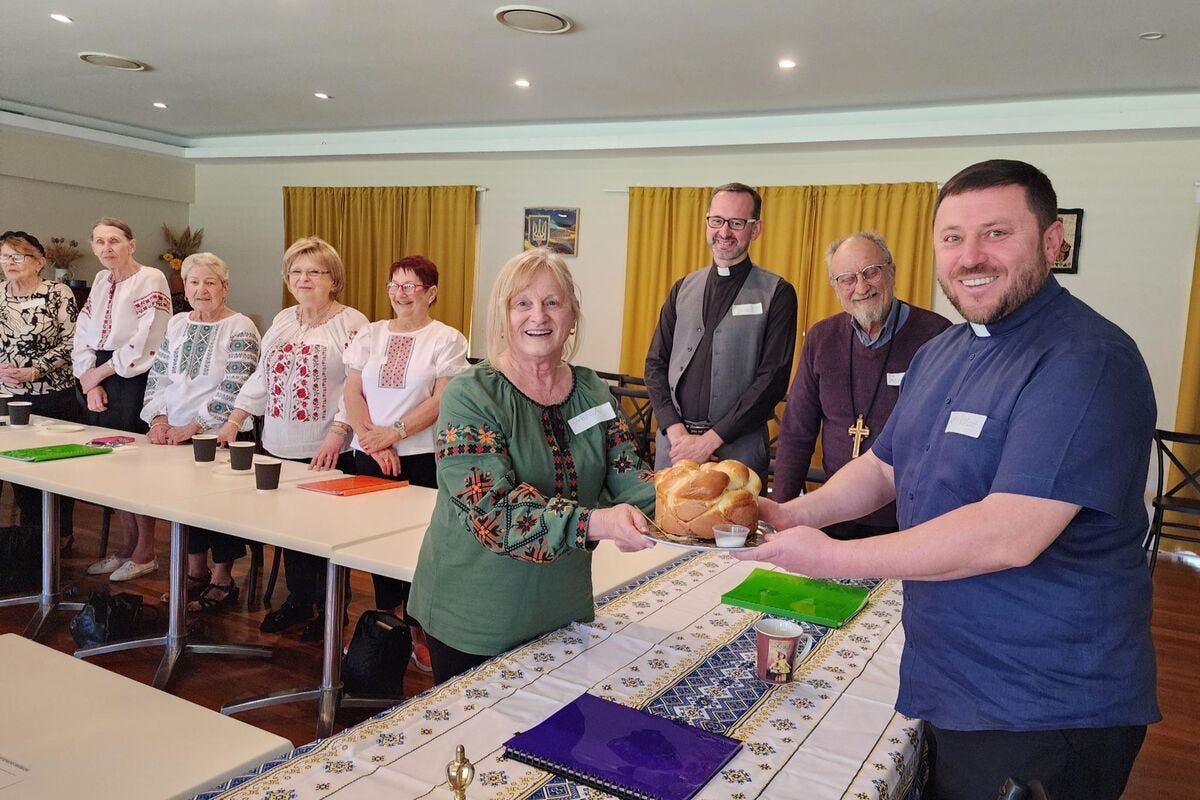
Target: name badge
<point>591,418</point>
<point>36,302</point>
<point>966,423</point>
<point>895,378</point>
<point>746,309</point>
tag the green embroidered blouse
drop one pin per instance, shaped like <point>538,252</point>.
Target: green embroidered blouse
<point>506,555</point>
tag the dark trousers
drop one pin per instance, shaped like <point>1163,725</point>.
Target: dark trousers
<point>59,405</point>
<point>1071,764</point>
<point>448,662</point>
<point>418,470</point>
<point>306,573</point>
<point>126,396</point>
<point>225,548</point>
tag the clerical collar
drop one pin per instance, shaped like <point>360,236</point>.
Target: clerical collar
<point>737,270</point>
<point>1050,290</point>
<point>897,315</point>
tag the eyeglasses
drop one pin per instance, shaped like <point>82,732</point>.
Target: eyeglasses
<point>734,223</point>
<point>311,274</point>
<point>869,273</point>
<point>16,258</point>
<point>407,287</point>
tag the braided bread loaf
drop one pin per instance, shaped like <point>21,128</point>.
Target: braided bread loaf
<point>691,498</point>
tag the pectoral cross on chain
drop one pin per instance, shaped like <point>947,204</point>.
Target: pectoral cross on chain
<point>858,431</point>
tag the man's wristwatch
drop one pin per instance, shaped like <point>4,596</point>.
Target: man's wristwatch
<point>398,425</point>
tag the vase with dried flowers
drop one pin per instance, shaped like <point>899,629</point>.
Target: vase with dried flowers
<point>62,254</point>
<point>178,248</point>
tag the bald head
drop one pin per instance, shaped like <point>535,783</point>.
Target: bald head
<point>866,297</point>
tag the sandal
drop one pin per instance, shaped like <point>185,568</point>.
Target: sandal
<point>229,594</point>
<point>196,586</point>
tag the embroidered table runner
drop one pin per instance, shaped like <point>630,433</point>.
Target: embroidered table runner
<point>667,645</point>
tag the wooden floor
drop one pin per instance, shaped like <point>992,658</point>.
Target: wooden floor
<point>1168,767</point>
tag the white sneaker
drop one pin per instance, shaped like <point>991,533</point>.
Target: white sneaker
<point>110,564</point>
<point>130,570</point>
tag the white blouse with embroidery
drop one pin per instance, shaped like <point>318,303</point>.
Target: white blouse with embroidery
<point>298,384</point>
<point>199,370</point>
<point>399,371</point>
<point>128,317</point>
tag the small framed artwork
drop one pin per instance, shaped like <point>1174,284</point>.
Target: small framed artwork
<point>555,228</point>
<point>1068,253</point>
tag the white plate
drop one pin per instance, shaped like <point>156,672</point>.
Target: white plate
<point>693,543</point>
<point>60,427</point>
<point>226,471</point>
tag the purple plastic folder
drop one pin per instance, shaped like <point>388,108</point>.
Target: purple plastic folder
<point>626,752</point>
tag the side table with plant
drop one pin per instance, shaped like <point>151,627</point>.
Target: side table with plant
<point>178,248</point>
<point>62,254</point>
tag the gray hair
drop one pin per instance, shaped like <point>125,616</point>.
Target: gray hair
<point>870,236</point>
<point>214,263</point>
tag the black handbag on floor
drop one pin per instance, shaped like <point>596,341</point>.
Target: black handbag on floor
<point>106,618</point>
<point>378,655</point>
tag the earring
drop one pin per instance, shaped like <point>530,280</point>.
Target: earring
<point>572,333</point>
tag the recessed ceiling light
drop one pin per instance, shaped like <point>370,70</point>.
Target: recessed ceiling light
<point>321,95</point>
<point>532,19</point>
<point>787,63</point>
<point>112,62</point>
<point>160,104</point>
<point>1152,36</point>
<point>61,18</point>
<point>524,84</point>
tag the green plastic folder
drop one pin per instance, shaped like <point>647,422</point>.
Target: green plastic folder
<point>54,452</point>
<point>786,595</point>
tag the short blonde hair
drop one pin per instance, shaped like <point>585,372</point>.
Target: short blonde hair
<point>323,254</point>
<point>213,262</point>
<point>516,276</point>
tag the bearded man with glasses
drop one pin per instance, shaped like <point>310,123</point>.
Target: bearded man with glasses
<point>722,353</point>
<point>848,379</point>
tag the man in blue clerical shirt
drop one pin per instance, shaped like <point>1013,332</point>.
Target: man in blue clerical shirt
<point>1017,456</point>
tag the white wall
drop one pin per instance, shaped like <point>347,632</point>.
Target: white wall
<point>57,187</point>
<point>1139,231</point>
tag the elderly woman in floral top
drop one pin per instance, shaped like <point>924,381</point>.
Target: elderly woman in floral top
<point>534,466</point>
<point>202,363</point>
<point>37,325</point>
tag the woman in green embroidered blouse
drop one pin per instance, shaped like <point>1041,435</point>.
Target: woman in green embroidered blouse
<point>534,467</point>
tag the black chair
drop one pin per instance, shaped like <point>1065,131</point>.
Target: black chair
<point>634,405</point>
<point>1181,498</point>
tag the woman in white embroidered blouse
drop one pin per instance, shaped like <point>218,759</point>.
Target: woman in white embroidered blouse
<point>297,389</point>
<point>37,326</point>
<point>119,329</point>
<point>203,362</point>
<point>395,373</point>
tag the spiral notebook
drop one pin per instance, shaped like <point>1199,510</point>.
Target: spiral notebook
<point>628,753</point>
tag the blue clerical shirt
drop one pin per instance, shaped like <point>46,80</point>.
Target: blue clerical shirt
<point>1052,401</point>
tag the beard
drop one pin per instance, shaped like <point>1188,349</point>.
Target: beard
<point>1027,280</point>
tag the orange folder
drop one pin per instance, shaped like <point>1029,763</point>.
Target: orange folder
<point>355,484</point>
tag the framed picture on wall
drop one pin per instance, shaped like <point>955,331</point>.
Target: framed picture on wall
<point>555,228</point>
<point>1068,254</point>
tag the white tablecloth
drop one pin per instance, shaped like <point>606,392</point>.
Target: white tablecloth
<point>668,645</point>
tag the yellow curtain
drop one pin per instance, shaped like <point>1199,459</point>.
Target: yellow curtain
<point>667,240</point>
<point>1187,412</point>
<point>372,226</point>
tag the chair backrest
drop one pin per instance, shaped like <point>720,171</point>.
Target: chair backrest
<point>634,405</point>
<point>1169,445</point>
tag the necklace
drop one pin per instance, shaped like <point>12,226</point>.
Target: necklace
<point>859,431</point>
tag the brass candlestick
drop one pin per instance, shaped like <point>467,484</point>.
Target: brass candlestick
<point>460,773</point>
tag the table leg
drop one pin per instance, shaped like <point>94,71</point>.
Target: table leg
<point>328,694</point>
<point>49,600</point>
<point>174,641</point>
